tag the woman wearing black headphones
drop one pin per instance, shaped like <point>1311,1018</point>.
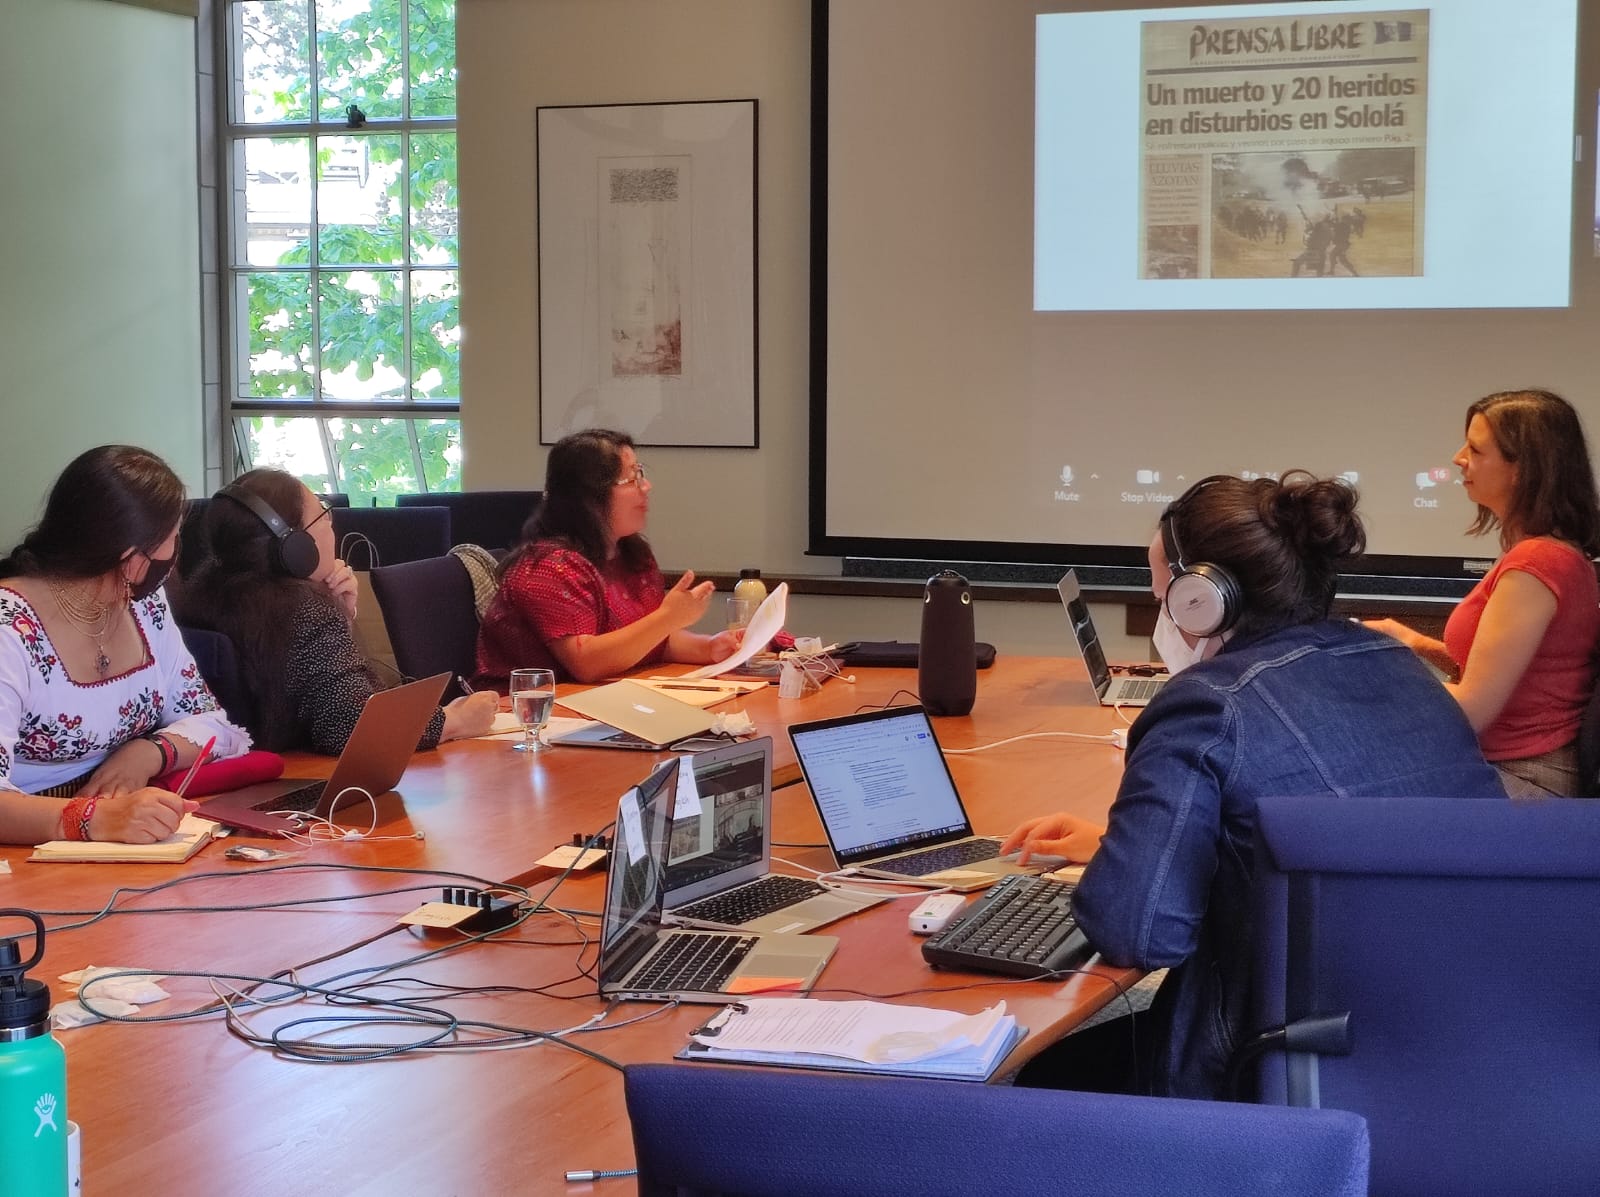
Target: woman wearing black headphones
<point>1271,697</point>
<point>271,582</point>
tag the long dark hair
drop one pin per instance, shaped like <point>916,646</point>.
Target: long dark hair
<point>579,477</point>
<point>1540,434</point>
<point>233,589</point>
<point>1283,541</point>
<point>109,499</point>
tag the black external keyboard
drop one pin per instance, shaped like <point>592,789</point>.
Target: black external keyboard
<point>688,962</point>
<point>305,798</point>
<point>936,860</point>
<point>1023,926</point>
<point>748,902</point>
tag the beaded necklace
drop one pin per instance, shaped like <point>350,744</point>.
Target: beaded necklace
<point>83,615</point>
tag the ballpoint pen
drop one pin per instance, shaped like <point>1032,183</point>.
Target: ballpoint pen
<point>199,760</point>
<point>466,686</point>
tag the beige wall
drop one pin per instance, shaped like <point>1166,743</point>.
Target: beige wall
<point>711,509</point>
<point>100,312</point>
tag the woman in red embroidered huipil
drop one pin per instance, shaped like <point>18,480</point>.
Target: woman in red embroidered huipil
<point>582,594</point>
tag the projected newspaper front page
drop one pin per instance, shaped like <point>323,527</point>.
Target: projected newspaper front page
<point>1284,147</point>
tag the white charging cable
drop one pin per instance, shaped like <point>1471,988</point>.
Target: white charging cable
<point>1106,739</point>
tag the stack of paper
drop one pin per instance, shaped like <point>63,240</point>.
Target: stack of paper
<point>192,834</point>
<point>858,1037</point>
<point>707,692</point>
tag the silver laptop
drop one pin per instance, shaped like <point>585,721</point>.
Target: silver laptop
<point>1119,690</point>
<point>888,803</point>
<point>640,960</point>
<point>377,753</point>
<point>721,848</point>
<point>628,715</point>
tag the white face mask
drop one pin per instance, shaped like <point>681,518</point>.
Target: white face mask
<point>1176,652</point>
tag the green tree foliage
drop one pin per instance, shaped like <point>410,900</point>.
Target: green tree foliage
<point>353,321</point>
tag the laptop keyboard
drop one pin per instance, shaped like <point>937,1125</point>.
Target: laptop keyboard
<point>1022,926</point>
<point>936,860</point>
<point>303,799</point>
<point>1138,689</point>
<point>748,902</point>
<point>687,962</point>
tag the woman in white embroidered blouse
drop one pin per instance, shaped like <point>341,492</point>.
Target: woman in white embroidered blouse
<point>98,695</point>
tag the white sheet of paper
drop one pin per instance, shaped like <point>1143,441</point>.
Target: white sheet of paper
<point>874,1032</point>
<point>632,832</point>
<point>687,803</point>
<point>766,623</point>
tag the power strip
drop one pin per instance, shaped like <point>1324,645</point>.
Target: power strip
<point>493,914</point>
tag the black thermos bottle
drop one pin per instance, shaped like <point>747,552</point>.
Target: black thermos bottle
<point>947,663</point>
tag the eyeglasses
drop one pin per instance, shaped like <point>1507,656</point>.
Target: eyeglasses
<point>327,510</point>
<point>637,478</point>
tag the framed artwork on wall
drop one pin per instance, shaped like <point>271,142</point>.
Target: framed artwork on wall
<point>647,271</point>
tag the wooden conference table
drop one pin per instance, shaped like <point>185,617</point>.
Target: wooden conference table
<point>185,1107</point>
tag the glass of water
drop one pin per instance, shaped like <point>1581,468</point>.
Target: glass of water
<point>533,693</point>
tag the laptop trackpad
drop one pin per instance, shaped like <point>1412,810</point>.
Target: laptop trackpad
<point>780,964</point>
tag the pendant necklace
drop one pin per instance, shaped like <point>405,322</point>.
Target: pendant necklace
<point>91,618</point>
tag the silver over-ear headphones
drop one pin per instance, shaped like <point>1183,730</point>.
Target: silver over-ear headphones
<point>1203,599</point>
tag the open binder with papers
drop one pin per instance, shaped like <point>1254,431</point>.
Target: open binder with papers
<point>858,1037</point>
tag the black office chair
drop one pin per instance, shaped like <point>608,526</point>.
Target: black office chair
<point>393,534</point>
<point>218,661</point>
<point>1459,937</point>
<point>192,547</point>
<point>428,610</point>
<point>492,518</point>
<point>774,1133</point>
<point>1589,749</point>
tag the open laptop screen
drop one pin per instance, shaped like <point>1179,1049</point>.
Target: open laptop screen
<point>719,820</point>
<point>880,782</point>
<point>1094,658</point>
<point>634,893</point>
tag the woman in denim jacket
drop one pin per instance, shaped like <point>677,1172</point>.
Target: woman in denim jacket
<point>1273,698</point>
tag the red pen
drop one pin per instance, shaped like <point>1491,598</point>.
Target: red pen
<point>205,752</point>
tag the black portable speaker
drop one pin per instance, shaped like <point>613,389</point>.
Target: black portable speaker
<point>947,669</point>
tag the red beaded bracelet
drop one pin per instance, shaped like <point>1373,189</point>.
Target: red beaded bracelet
<point>75,818</point>
<point>169,752</point>
<point>83,819</point>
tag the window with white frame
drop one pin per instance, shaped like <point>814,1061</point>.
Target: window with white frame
<point>340,246</point>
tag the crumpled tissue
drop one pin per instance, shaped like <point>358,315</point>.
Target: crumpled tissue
<point>119,996</point>
<point>733,723</point>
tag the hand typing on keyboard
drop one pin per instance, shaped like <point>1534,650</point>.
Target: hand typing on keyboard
<point>1054,840</point>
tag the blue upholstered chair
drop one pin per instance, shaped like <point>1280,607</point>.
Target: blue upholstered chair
<point>429,613</point>
<point>218,661</point>
<point>395,534</point>
<point>492,518</point>
<point>1462,938</point>
<point>698,1129</point>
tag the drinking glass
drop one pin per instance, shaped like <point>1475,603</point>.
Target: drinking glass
<point>533,693</point>
<point>741,611</point>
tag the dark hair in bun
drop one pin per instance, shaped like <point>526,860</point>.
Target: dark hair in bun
<point>1283,540</point>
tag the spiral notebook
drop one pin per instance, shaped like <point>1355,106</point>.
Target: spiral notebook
<point>871,1037</point>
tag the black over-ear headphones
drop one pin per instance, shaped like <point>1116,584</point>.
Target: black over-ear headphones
<point>293,550</point>
<point>1203,599</point>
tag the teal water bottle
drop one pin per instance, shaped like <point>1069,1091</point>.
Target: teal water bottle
<point>33,1075</point>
